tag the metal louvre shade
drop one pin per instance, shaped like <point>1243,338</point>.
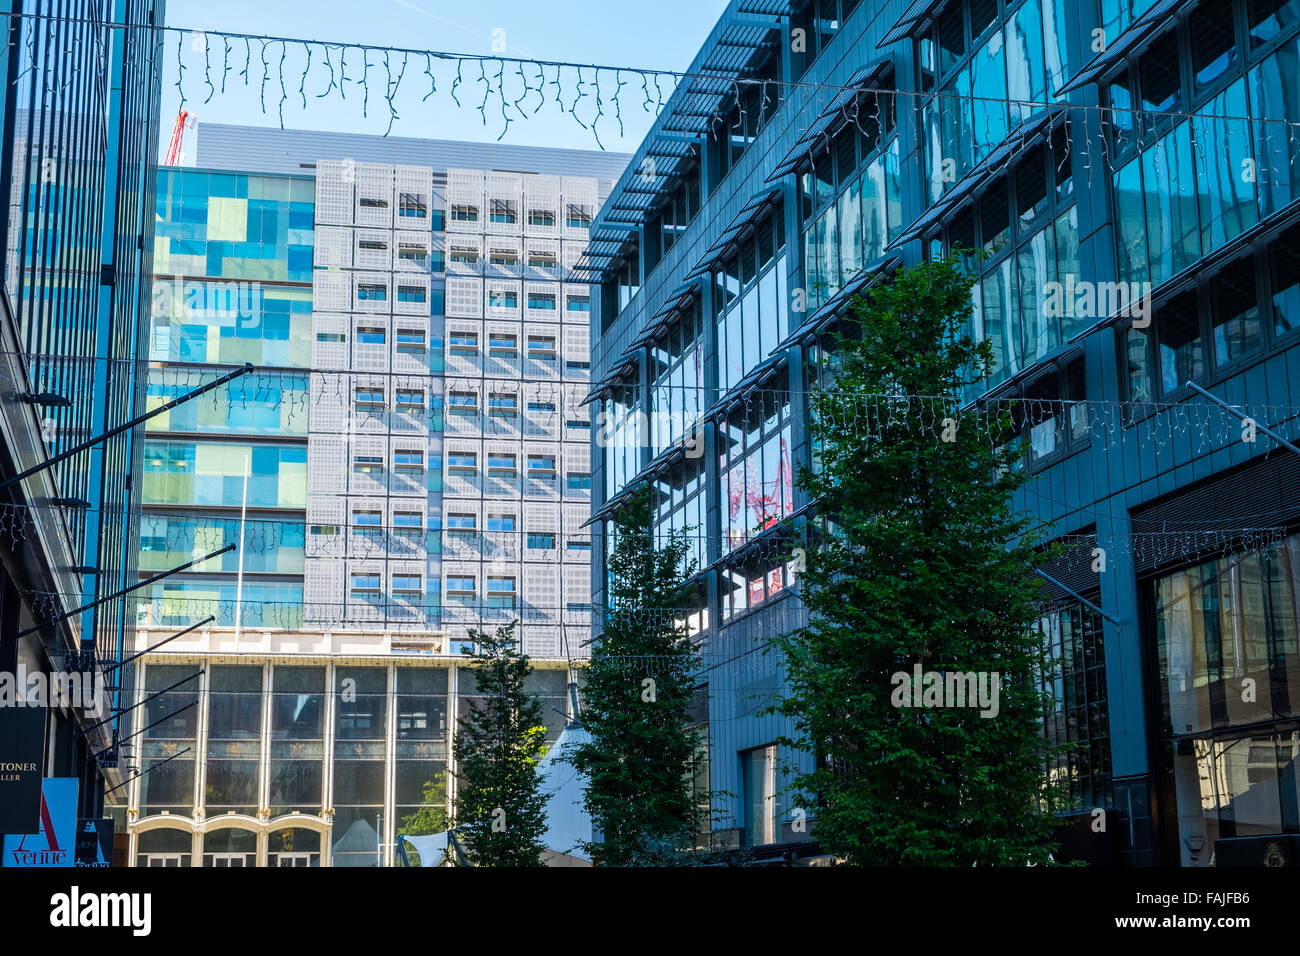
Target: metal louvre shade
<point>831,117</point>
<point>1138,32</point>
<point>822,317</point>
<point>990,166</point>
<point>747,215</point>
<point>907,23</point>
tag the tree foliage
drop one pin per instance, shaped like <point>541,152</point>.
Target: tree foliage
<point>500,806</point>
<point>636,699</point>
<point>917,558</point>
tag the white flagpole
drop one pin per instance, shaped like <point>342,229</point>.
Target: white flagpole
<point>243,523</point>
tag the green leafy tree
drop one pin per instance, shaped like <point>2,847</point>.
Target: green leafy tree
<point>917,558</point>
<point>500,806</point>
<point>636,700</point>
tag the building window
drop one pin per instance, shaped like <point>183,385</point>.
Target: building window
<point>541,217</point>
<point>464,213</point>
<point>408,585</point>
<point>365,585</point>
<point>438,221</point>
<point>1026,222</point>
<point>372,245</point>
<point>541,347</point>
<point>1227,622</point>
<point>1050,413</point>
<point>502,345</point>
<point>762,796</point>
<point>462,403</point>
<point>410,341</point>
<point>503,299</point>
<point>410,401</point>
<point>577,481</point>
<point>368,465</point>
<point>578,544</point>
<point>757,478</point>
<point>541,300</point>
<point>466,257</point>
<point>411,293</point>
<point>408,522</point>
<point>578,216</point>
<point>677,370</point>
<point>502,406</point>
<point>368,202</point>
<point>501,592</point>
<point>462,585</point>
<point>539,541</point>
<point>408,462</point>
<point>1233,312</point>
<point>370,336</point>
<point>504,211</point>
<point>462,524</point>
<point>462,461</point>
<point>541,465</point>
<point>750,293</point>
<point>508,260</point>
<point>500,522</point>
<point>1078,718</point>
<point>367,519</point>
<point>412,206</point>
<point>372,292</point>
<point>577,303</point>
<point>463,343</point>
<point>541,406</point>
<point>370,400</point>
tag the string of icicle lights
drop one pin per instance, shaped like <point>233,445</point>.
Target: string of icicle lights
<point>183,535</point>
<point>293,393</point>
<point>510,89</point>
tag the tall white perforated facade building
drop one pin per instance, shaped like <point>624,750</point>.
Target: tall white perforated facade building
<point>409,459</point>
<point>449,450</point>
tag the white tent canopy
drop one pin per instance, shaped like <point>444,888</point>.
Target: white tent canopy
<point>568,826</point>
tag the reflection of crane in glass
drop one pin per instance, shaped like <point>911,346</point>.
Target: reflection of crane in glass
<point>768,501</point>
<point>184,120</point>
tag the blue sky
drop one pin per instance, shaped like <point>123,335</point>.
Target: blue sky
<point>665,34</point>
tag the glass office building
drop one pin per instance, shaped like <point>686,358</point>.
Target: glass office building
<point>1131,159</point>
<point>77,172</point>
<point>233,274</point>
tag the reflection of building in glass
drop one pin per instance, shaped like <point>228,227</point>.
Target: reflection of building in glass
<point>409,459</point>
<point>1126,252</point>
<point>1227,633</point>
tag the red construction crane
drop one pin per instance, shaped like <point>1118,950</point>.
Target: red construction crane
<point>184,121</point>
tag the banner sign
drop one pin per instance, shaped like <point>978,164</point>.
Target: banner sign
<point>53,843</point>
<point>94,842</point>
<point>22,744</point>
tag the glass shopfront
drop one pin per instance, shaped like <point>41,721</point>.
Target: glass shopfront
<point>1229,680</point>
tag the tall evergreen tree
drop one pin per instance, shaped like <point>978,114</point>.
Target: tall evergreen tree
<point>500,807</point>
<point>917,559</point>
<point>636,699</point>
